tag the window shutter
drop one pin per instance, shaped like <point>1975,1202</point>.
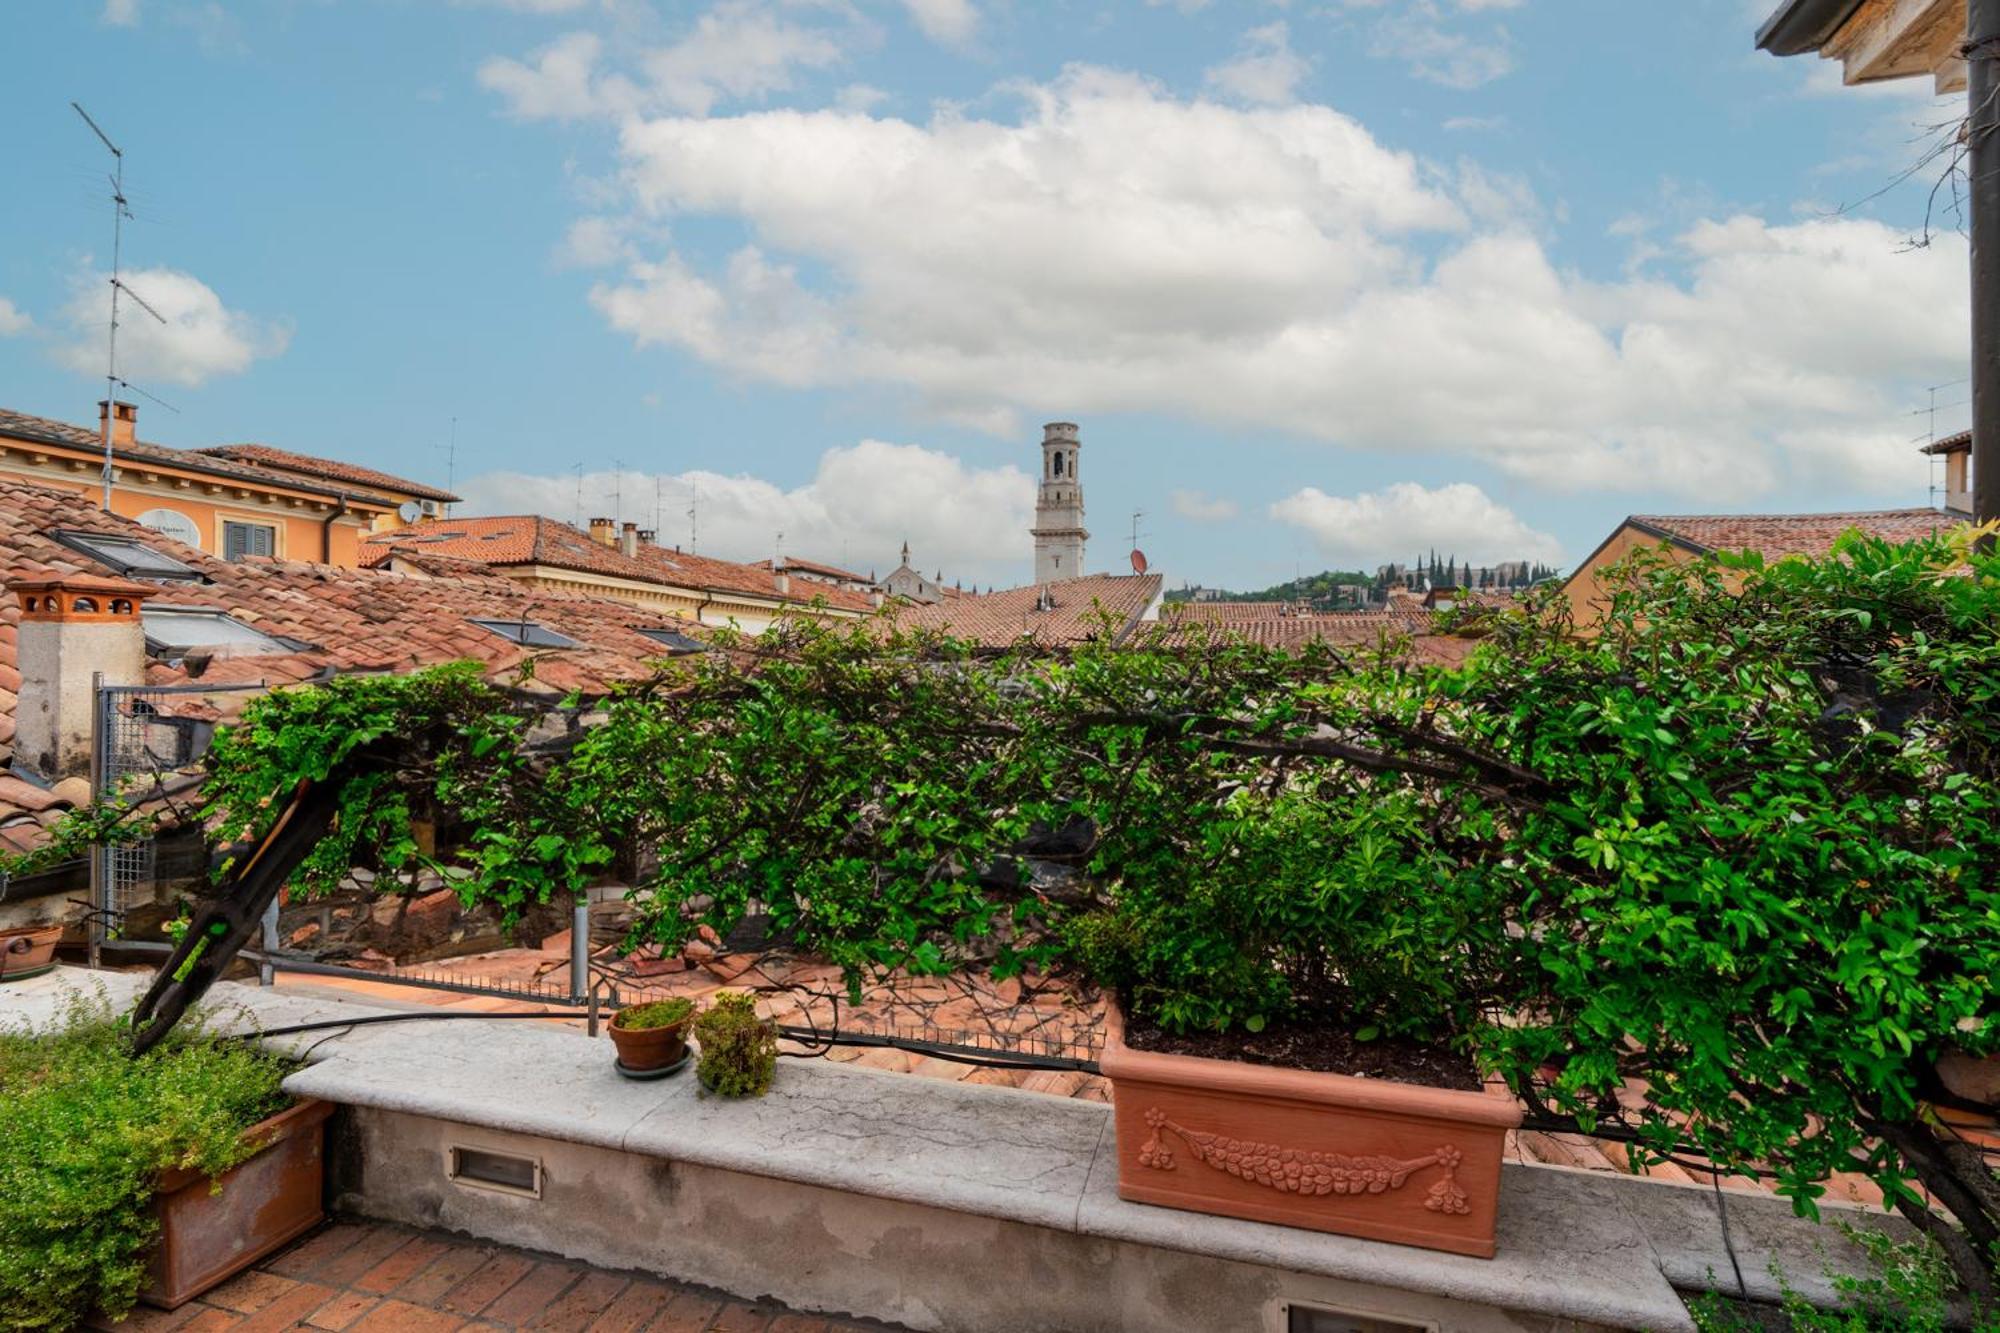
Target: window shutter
<point>246,539</point>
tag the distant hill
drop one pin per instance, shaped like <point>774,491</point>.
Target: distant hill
<point>1325,586</point>
<point>1347,589</point>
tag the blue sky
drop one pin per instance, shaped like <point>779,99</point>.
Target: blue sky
<point>1323,283</point>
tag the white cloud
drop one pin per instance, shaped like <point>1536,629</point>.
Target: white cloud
<point>13,319</point>
<point>1419,36</point>
<point>201,338</point>
<point>1459,518</point>
<point>1266,69</point>
<point>1114,248</point>
<point>738,50</point>
<point>949,22</point>
<point>1201,507</point>
<point>120,13</point>
<point>862,503</point>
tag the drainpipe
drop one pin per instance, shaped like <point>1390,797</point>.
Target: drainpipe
<point>1982,55</point>
<point>326,531</point>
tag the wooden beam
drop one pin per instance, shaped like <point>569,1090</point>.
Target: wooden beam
<point>1900,39</point>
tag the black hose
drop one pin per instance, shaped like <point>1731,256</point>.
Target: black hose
<point>822,1040</point>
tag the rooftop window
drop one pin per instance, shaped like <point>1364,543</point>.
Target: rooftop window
<point>127,556</point>
<point>526,633</point>
<point>185,628</point>
<point>674,641</point>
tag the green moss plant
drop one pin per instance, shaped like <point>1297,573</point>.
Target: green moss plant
<point>739,1050</point>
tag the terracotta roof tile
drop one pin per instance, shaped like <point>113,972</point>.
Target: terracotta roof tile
<point>326,469</point>
<point>1001,619</point>
<point>531,539</point>
<point>1780,535</point>
<point>354,619</point>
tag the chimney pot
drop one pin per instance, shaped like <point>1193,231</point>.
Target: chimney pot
<point>604,530</point>
<point>120,419</point>
<point>73,627</point>
<point>784,582</point>
<point>628,541</point>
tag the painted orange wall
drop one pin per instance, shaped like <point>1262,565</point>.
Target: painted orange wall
<point>1585,588</point>
<point>300,531</point>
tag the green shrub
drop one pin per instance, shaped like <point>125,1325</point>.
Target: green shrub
<point>85,1131</point>
<point>657,1014</point>
<point>739,1051</point>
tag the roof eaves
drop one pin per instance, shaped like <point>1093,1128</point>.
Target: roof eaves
<point>193,461</point>
<point>1801,26</point>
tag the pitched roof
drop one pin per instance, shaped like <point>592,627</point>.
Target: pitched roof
<point>531,539</point>
<point>1780,535</point>
<point>1075,614</point>
<point>23,426</point>
<point>1950,444</point>
<point>1337,629</point>
<point>327,469</point>
<point>351,619</point>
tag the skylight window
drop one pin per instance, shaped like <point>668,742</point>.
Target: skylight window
<point>180,629</point>
<point>127,556</point>
<point>674,641</point>
<point>526,633</point>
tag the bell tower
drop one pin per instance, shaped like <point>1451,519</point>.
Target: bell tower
<point>1059,533</point>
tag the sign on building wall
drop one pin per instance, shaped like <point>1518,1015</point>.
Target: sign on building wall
<point>172,523</point>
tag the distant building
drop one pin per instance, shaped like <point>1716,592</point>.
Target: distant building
<point>234,501</point>
<point>1689,537</point>
<point>628,566</point>
<point>908,583</point>
<point>1059,531</point>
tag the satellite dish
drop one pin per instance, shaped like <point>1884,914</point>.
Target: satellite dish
<point>1138,561</point>
<point>409,511</point>
<point>172,523</point>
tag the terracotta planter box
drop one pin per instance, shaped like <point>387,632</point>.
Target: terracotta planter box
<point>267,1201</point>
<point>26,951</point>
<point>1360,1156</point>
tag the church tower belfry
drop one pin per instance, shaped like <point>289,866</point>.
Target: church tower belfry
<point>1059,533</point>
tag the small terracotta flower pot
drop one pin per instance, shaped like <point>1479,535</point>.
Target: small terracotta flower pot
<point>26,951</point>
<point>1360,1156</point>
<point>211,1230</point>
<point>644,1049</point>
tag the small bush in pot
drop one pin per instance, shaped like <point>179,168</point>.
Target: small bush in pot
<point>654,1035</point>
<point>739,1050</point>
<point>86,1132</point>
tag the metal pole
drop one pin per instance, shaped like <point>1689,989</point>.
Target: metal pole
<point>579,948</point>
<point>98,878</point>
<point>1982,52</point>
<point>265,976</point>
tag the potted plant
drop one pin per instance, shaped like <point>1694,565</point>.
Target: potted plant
<point>739,1050</point>
<point>652,1038</point>
<point>28,951</point>
<point>149,1179</point>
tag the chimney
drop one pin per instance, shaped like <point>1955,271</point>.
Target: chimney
<point>72,627</point>
<point>628,540</point>
<point>648,537</point>
<point>1957,451</point>
<point>604,530</point>
<point>123,419</point>
<point>784,582</point>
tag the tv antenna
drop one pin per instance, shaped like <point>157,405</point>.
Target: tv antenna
<point>450,456</point>
<point>578,520</point>
<point>694,517</point>
<point>119,212</point>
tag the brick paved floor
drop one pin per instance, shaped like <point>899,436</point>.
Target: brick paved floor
<point>366,1277</point>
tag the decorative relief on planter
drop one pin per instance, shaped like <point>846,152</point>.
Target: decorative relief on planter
<point>1300,1171</point>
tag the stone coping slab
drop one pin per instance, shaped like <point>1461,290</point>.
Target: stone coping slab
<point>1573,1244</point>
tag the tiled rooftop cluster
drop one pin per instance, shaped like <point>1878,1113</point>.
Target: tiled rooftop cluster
<point>530,539</point>
<point>350,474</point>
